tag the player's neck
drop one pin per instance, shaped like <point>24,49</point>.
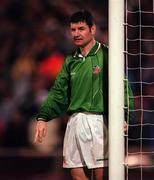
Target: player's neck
<point>86,49</point>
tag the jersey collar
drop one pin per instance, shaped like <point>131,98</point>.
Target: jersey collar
<point>92,52</point>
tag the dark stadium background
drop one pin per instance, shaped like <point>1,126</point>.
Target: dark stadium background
<point>34,40</point>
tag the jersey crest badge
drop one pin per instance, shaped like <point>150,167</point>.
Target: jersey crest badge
<point>96,70</point>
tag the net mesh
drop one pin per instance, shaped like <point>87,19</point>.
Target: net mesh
<point>139,68</point>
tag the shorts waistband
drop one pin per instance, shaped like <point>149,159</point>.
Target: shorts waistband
<point>86,113</point>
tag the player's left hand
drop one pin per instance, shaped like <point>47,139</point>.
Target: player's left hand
<point>125,127</point>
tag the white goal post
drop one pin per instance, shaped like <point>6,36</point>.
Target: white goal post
<point>116,89</point>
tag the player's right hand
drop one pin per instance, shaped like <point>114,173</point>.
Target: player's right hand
<point>40,131</point>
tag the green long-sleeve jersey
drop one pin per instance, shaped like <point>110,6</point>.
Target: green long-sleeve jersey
<point>81,86</point>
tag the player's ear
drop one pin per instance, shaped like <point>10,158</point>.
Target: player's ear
<point>93,29</point>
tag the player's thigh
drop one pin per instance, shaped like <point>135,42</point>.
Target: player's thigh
<point>101,173</point>
<point>79,174</point>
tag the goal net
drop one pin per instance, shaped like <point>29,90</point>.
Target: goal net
<point>139,68</point>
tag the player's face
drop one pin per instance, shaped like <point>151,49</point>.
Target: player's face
<point>81,33</point>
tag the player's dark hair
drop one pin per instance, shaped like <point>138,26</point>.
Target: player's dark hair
<point>82,16</point>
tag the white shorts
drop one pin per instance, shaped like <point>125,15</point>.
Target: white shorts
<point>85,141</point>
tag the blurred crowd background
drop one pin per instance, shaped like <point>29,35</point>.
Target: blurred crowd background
<point>34,40</point>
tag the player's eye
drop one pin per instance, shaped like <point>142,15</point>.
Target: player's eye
<point>73,29</point>
<point>81,28</point>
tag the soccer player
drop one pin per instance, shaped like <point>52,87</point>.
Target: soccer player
<point>81,90</point>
